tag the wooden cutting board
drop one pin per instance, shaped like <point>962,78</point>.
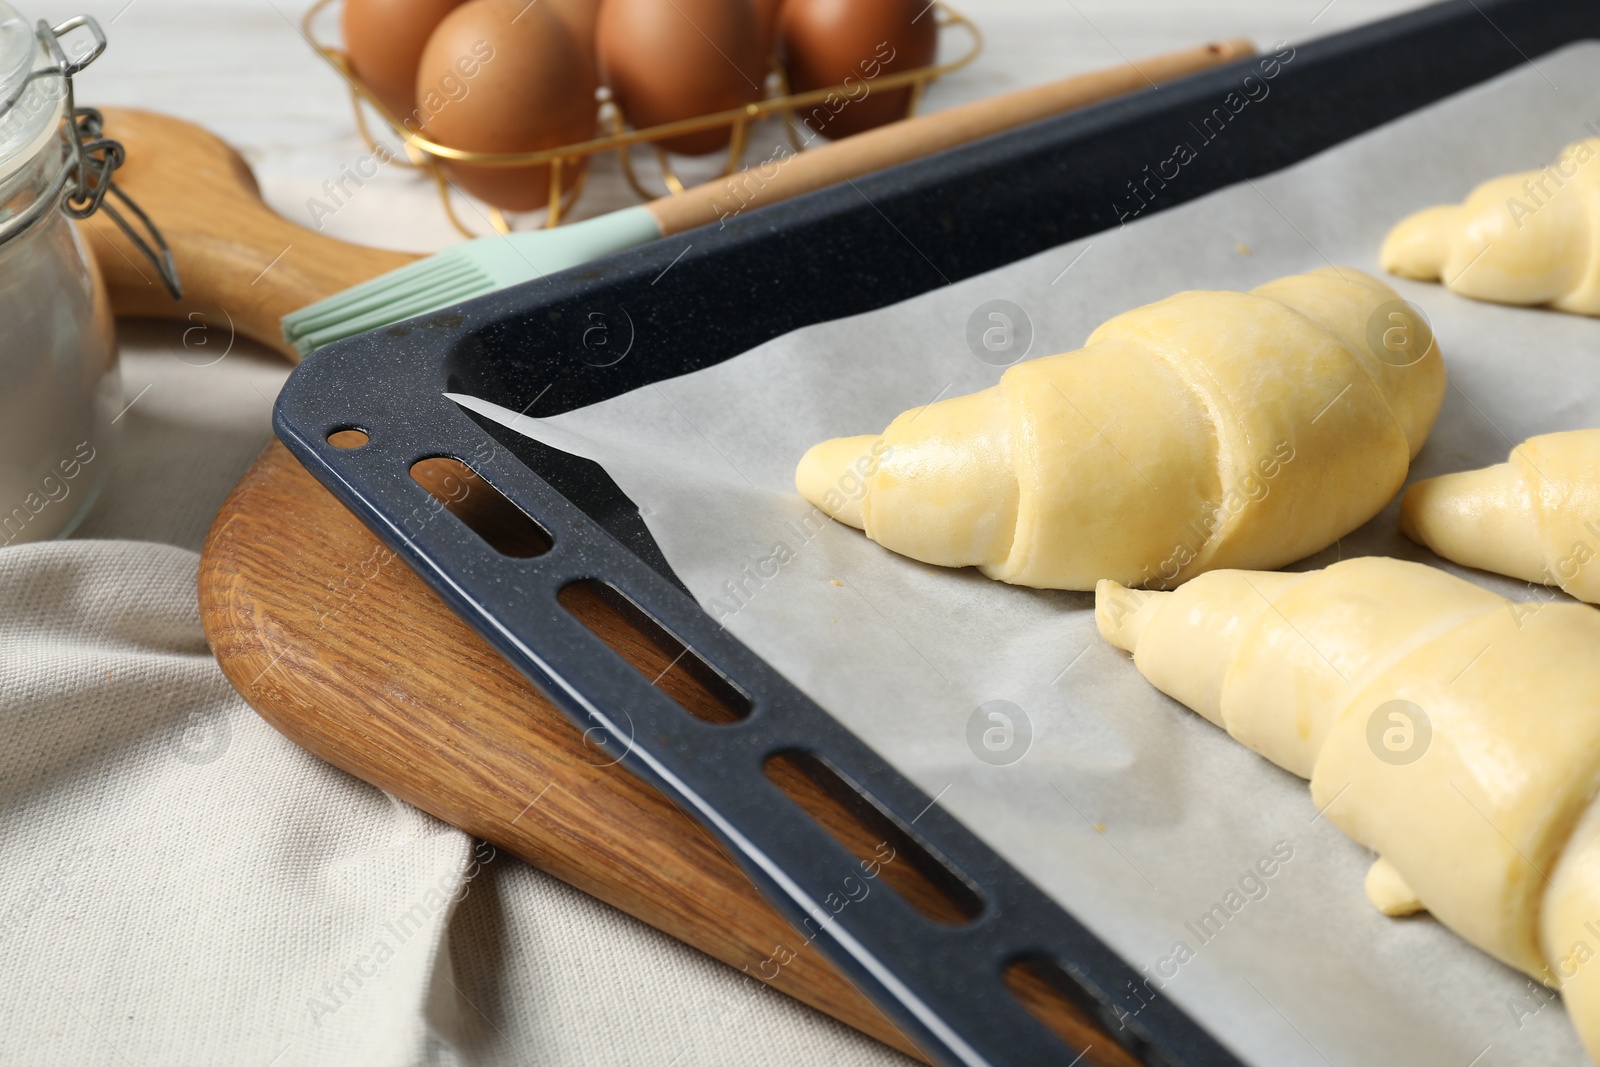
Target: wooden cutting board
<point>337,644</point>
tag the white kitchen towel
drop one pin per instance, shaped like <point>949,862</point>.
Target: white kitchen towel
<point>179,884</point>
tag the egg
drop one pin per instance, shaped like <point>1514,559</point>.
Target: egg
<point>668,60</point>
<point>503,76</point>
<point>384,41</point>
<point>851,43</point>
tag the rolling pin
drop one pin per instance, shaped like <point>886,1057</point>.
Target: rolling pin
<point>235,255</point>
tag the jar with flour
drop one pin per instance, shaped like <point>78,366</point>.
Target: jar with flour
<point>60,392</point>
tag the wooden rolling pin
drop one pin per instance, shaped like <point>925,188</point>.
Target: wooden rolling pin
<point>237,258</point>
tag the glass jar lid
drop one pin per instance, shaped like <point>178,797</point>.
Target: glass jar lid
<point>31,107</point>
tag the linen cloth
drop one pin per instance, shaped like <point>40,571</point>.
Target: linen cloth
<point>181,885</point>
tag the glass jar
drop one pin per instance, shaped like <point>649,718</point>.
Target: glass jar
<point>60,391</point>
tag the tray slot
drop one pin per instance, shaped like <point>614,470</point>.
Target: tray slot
<point>648,647</point>
<point>481,507</point>
<point>884,847</point>
<point>1054,997</point>
<point>587,486</point>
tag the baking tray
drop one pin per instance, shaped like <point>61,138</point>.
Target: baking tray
<point>838,252</point>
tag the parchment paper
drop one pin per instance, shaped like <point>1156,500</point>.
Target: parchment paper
<point>1131,811</point>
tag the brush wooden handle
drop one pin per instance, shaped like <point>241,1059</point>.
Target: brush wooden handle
<point>899,142</point>
<point>239,261</point>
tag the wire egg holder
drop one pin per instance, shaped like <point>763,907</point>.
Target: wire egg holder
<point>428,155</point>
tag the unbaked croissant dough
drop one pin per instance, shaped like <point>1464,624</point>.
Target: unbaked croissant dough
<point>1210,429</point>
<point>1451,731</point>
<point>1530,238</point>
<point>1534,517</point>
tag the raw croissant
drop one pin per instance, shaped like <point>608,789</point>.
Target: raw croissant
<point>1210,429</point>
<point>1534,517</point>
<point>1527,238</point>
<point>1455,733</point>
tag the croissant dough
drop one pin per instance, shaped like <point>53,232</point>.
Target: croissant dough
<point>1534,517</point>
<point>1529,238</point>
<point>1490,823</point>
<point>1209,429</point>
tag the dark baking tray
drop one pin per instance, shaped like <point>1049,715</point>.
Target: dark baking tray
<point>696,299</point>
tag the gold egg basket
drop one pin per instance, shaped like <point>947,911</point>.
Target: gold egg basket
<point>425,154</point>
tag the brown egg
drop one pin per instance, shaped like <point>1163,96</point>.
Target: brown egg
<point>667,60</point>
<point>385,38</point>
<point>503,76</point>
<point>852,42</point>
<point>767,24</point>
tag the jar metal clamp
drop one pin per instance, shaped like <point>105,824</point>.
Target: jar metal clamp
<point>82,182</point>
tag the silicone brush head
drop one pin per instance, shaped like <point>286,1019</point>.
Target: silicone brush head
<point>464,272</point>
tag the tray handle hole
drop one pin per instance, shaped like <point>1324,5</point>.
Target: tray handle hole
<point>888,852</point>
<point>673,667</point>
<point>481,507</point>
<point>347,438</point>
<point>1059,1001</point>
